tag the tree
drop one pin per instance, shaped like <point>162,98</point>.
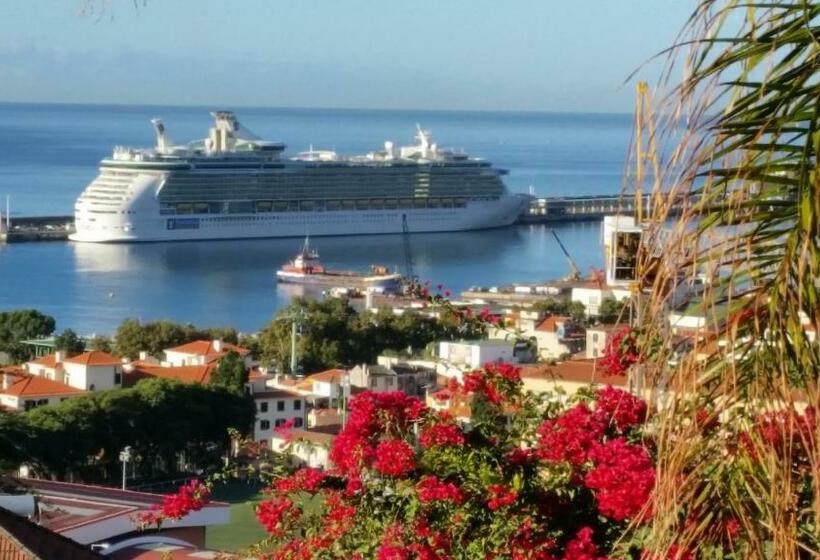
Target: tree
<point>19,325</point>
<point>133,337</point>
<point>566,307</point>
<point>69,342</point>
<point>231,373</point>
<point>612,311</point>
<point>100,343</point>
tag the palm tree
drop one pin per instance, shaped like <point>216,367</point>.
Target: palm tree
<point>740,136</point>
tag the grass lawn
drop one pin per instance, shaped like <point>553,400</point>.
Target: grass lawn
<point>243,529</point>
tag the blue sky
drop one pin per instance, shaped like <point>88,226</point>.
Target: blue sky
<point>519,55</point>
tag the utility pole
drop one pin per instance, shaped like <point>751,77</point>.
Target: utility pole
<point>125,456</point>
<point>296,319</point>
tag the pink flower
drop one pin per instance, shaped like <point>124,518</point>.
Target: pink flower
<point>623,479</point>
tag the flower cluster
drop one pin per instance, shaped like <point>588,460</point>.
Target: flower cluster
<point>620,408</point>
<point>621,352</point>
<point>190,497</point>
<point>622,479</point>
<point>431,489</point>
<point>571,436</point>
<point>441,433</point>
<point>306,479</point>
<point>394,458</point>
<point>500,496</point>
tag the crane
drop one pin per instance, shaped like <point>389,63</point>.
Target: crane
<point>576,272</point>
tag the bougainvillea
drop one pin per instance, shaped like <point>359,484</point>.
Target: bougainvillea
<point>621,352</point>
<point>190,497</point>
<point>408,482</point>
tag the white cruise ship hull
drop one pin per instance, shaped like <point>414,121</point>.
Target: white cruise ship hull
<point>142,226</point>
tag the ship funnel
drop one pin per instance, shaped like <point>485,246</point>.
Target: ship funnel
<point>162,138</point>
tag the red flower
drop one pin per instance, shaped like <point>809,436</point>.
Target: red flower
<point>620,408</point>
<point>582,547</point>
<point>306,479</point>
<point>501,496</point>
<point>571,436</point>
<point>274,513</point>
<point>441,434</point>
<point>621,352</point>
<point>623,479</point>
<point>189,497</point>
<point>394,458</point>
<point>431,489</point>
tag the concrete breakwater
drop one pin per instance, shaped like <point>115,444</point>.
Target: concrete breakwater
<point>37,228</point>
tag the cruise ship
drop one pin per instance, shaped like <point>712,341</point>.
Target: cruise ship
<point>233,184</point>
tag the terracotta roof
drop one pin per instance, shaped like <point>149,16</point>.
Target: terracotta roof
<point>576,371</point>
<point>33,541</point>
<point>95,358</point>
<point>38,386</point>
<point>550,324</point>
<point>49,361</point>
<point>615,327</point>
<point>318,434</point>
<point>329,376</point>
<point>185,374</point>
<point>206,348</point>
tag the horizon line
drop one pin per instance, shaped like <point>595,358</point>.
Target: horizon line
<point>314,108</point>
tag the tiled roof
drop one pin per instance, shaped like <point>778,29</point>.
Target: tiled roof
<point>94,358</point>
<point>329,376</point>
<point>550,324</point>
<point>318,434</point>
<point>33,541</point>
<point>615,327</point>
<point>185,374</point>
<point>49,361</point>
<point>38,386</point>
<point>575,371</point>
<point>206,348</point>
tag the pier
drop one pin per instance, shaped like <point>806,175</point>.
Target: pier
<point>37,228</point>
<point>541,210</point>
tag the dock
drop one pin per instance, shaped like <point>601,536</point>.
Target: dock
<point>540,210</point>
<point>37,228</point>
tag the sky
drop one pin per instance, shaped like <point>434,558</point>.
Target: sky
<point>511,55</point>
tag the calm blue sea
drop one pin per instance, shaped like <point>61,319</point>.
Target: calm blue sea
<point>48,153</point>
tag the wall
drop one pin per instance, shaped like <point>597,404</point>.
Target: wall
<point>273,414</point>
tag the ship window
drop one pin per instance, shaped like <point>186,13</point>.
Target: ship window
<point>264,205</point>
<point>280,206</point>
<point>184,208</point>
<point>306,205</point>
<point>347,204</point>
<point>333,205</point>
<point>405,203</point>
<point>200,208</point>
<point>420,203</point>
<point>433,203</point>
<point>376,203</point>
<point>447,202</point>
<point>293,206</point>
<point>390,204</point>
<point>362,205</point>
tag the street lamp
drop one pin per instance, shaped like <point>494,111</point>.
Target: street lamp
<point>125,456</point>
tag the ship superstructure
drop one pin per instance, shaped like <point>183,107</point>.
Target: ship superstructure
<point>233,184</point>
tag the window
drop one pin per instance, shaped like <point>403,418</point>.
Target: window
<point>594,337</point>
<point>280,406</point>
<point>28,405</point>
<point>264,425</point>
<point>117,378</point>
<point>263,407</point>
<point>297,422</point>
<point>297,405</point>
<point>390,381</point>
<point>279,422</point>
<point>41,402</point>
<point>373,382</point>
<point>91,387</point>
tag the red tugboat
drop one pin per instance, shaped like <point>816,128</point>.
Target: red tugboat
<point>305,268</point>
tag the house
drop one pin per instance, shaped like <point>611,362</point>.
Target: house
<point>201,352</point>
<point>556,336</point>
<point>185,374</point>
<point>23,391</point>
<point>410,379</point>
<point>274,409</point>
<point>599,336</point>
<point>472,354</point>
<point>88,371</point>
<point>591,293</point>
<point>568,377</point>
<point>308,447</point>
<point>93,371</point>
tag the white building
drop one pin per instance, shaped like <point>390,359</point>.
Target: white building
<point>91,371</point>
<point>472,354</point>
<point>274,409</point>
<point>599,336</point>
<point>23,391</point>
<point>308,447</point>
<point>404,377</point>
<point>200,352</point>
<point>591,293</point>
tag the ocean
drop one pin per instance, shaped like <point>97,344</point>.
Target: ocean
<point>49,153</point>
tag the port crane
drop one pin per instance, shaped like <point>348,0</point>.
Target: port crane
<point>576,272</point>
<point>409,273</point>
